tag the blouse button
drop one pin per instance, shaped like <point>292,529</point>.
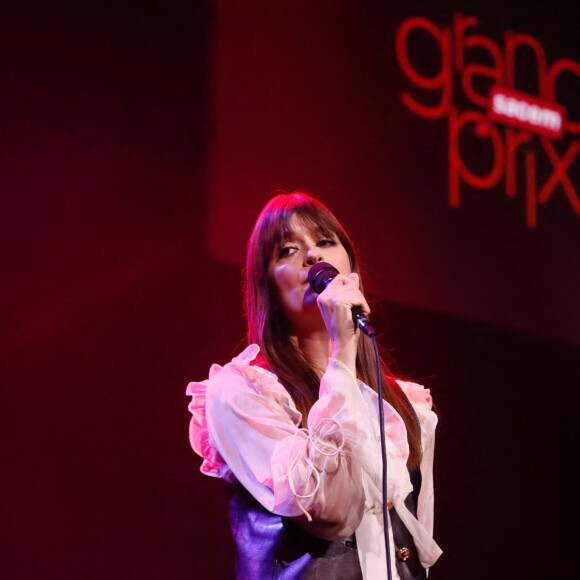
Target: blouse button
<point>403,554</point>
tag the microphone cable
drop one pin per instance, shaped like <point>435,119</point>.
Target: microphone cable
<point>383,453</point>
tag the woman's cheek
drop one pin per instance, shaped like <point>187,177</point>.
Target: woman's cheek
<point>283,276</point>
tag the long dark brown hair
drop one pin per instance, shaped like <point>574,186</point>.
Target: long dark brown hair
<point>267,325</point>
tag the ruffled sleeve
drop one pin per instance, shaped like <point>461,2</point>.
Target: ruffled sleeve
<point>246,427</point>
<point>422,528</point>
<point>212,464</point>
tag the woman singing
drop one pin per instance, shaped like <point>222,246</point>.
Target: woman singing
<point>292,423</point>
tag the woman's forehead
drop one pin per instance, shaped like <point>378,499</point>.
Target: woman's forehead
<point>299,224</point>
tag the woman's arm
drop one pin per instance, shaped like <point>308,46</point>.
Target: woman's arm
<point>301,473</point>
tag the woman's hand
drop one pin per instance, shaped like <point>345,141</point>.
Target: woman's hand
<point>335,304</point>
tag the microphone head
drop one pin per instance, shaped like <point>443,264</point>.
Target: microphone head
<point>320,275</point>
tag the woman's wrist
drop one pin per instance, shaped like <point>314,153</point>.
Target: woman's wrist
<point>346,354</point>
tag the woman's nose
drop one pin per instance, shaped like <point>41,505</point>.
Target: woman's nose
<point>312,256</point>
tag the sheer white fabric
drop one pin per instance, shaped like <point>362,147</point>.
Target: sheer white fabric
<point>246,428</point>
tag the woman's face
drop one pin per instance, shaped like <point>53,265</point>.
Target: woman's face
<point>289,270</point>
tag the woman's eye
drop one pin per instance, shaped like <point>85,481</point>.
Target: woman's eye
<point>285,251</point>
<point>326,242</point>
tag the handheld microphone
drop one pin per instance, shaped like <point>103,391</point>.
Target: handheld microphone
<point>319,277</point>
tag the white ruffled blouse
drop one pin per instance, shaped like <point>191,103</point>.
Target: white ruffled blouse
<point>246,428</point>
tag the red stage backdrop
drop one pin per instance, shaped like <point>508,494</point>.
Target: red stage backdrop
<point>446,140</point>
